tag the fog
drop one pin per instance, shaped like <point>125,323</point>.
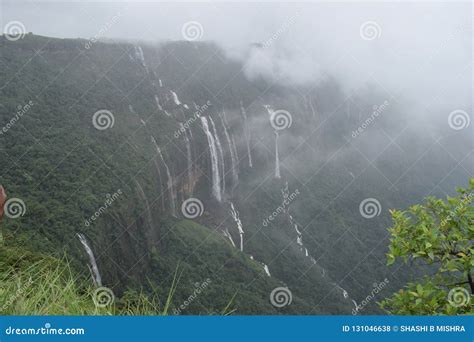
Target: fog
<point>416,51</point>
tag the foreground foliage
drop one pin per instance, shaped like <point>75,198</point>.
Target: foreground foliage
<point>440,233</point>
<point>34,284</point>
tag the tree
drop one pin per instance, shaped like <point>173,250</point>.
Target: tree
<point>442,234</point>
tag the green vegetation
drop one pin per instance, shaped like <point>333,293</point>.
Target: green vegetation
<point>440,233</point>
<point>63,168</point>
<point>34,284</point>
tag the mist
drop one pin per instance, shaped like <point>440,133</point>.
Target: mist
<point>416,56</point>
<point>420,51</point>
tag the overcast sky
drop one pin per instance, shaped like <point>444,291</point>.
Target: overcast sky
<point>421,50</point>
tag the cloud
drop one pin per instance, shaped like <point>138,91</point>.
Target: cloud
<point>420,51</point>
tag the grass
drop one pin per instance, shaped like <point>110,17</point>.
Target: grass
<point>33,284</point>
<point>45,287</point>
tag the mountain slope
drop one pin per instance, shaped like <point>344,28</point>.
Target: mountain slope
<point>121,176</point>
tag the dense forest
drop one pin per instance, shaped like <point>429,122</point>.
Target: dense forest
<point>164,175</point>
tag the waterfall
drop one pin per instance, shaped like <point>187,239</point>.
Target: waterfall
<point>189,160</point>
<point>247,133</point>
<point>235,176</point>
<point>94,269</point>
<point>216,185</point>
<point>160,183</point>
<point>266,269</point>
<point>138,116</point>
<point>221,152</point>
<point>170,181</point>
<point>157,100</point>
<point>227,235</point>
<point>175,98</point>
<point>277,158</point>
<point>236,155</point>
<point>313,112</point>
<point>299,236</point>
<point>161,83</point>
<point>147,205</point>
<point>346,295</point>
<point>141,57</point>
<point>235,216</point>
<point>159,173</point>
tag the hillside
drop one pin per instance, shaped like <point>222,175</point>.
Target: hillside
<point>109,140</point>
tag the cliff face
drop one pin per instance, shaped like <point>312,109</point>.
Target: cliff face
<point>169,155</point>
